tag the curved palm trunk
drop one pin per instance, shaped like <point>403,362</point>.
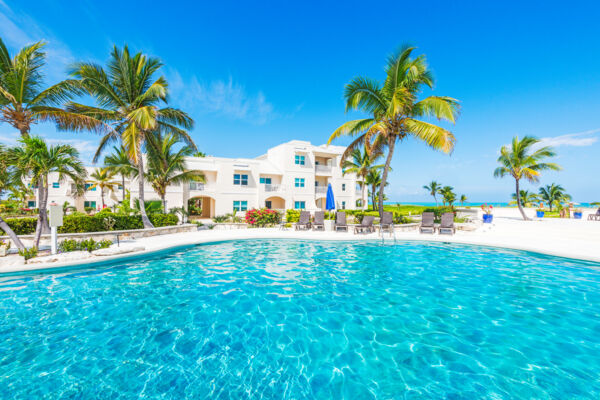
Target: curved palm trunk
<point>123,187</point>
<point>11,234</point>
<point>373,197</point>
<point>519,202</point>
<point>145,219</point>
<point>388,161</point>
<point>436,202</point>
<point>363,202</point>
<point>102,196</point>
<point>42,224</point>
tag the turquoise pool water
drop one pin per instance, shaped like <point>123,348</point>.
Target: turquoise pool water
<point>295,319</point>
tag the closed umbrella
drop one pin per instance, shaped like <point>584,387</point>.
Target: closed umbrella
<point>330,202</point>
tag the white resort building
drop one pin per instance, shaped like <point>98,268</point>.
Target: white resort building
<point>291,175</point>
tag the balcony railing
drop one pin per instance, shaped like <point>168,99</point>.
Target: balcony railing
<point>325,169</point>
<point>197,186</point>
<point>320,189</point>
<point>274,188</point>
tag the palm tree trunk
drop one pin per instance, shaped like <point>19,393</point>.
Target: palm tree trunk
<point>519,201</point>
<point>42,223</point>
<point>363,202</point>
<point>123,187</point>
<point>436,202</point>
<point>102,196</point>
<point>24,132</point>
<point>373,200</point>
<point>388,161</point>
<point>145,219</point>
<point>164,203</point>
<point>13,236</point>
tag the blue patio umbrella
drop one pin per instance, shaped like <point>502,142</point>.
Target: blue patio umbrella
<point>330,203</point>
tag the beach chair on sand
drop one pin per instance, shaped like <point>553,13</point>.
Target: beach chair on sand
<point>594,217</point>
<point>340,221</point>
<point>304,221</point>
<point>387,221</point>
<point>447,224</point>
<point>366,225</point>
<point>427,223</point>
<point>319,222</point>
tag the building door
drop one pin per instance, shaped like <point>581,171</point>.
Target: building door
<point>268,204</point>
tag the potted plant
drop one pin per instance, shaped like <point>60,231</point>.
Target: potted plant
<point>4,246</point>
<point>577,213</point>
<point>488,217</point>
<point>539,213</point>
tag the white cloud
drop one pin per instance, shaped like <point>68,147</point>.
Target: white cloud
<point>580,139</point>
<point>223,98</point>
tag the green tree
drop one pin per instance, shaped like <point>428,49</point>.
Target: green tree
<point>103,178</point>
<point>527,198</point>
<point>395,111</point>
<point>448,195</point>
<point>36,160</point>
<point>433,188</point>
<point>360,163</point>
<point>24,101</point>
<point>128,98</point>
<point>8,182</point>
<point>553,195</point>
<point>521,161</point>
<point>119,163</point>
<point>373,180</point>
<point>463,199</point>
<point>166,166</point>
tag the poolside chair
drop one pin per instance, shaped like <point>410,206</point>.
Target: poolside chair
<point>340,221</point>
<point>319,222</point>
<point>594,217</point>
<point>365,225</point>
<point>304,221</point>
<point>447,224</point>
<point>387,221</point>
<point>427,223</point>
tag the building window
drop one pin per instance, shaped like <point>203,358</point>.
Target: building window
<point>343,205</point>
<point>120,187</point>
<point>90,187</point>
<point>300,205</point>
<point>266,181</point>
<point>343,187</point>
<point>241,180</point>
<point>268,204</point>
<point>89,204</point>
<point>316,183</point>
<point>299,160</point>
<point>31,204</point>
<point>299,182</point>
<point>55,185</point>
<point>240,205</point>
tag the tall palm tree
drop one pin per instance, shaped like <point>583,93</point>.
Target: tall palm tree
<point>527,198</point>
<point>103,178</point>
<point>448,195</point>
<point>373,180</point>
<point>463,199</point>
<point>118,162</point>
<point>394,110</point>
<point>128,98</point>
<point>8,182</point>
<point>553,194</point>
<point>166,166</point>
<point>433,188</point>
<point>520,161</point>
<point>360,163</point>
<point>23,99</point>
<point>36,160</point>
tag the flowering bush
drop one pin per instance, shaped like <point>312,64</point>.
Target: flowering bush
<point>262,217</point>
<point>487,209</point>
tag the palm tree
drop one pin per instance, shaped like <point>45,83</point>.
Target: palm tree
<point>373,180</point>
<point>118,162</point>
<point>128,97</point>
<point>448,196</point>
<point>433,188</point>
<point>394,110</point>
<point>463,199</point>
<point>103,178</point>
<point>167,166</point>
<point>527,198</point>
<point>553,194</point>
<point>23,99</point>
<point>199,154</point>
<point>8,182</point>
<point>522,162</point>
<point>360,163</point>
<point>36,160</point>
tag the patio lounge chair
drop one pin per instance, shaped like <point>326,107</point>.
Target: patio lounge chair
<point>319,222</point>
<point>594,217</point>
<point>340,221</point>
<point>365,225</point>
<point>447,224</point>
<point>427,223</point>
<point>304,221</point>
<point>387,221</point>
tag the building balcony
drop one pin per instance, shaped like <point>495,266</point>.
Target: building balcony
<point>274,188</point>
<point>198,186</point>
<point>321,190</point>
<point>323,169</point>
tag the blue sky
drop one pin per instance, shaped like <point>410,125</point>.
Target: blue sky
<point>255,74</point>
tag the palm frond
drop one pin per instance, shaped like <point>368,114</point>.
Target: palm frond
<point>436,137</point>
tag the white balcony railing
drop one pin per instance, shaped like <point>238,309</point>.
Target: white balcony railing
<point>197,186</point>
<point>321,189</point>
<point>324,169</point>
<point>274,188</point>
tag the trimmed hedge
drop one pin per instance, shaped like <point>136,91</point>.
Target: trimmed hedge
<point>95,223</point>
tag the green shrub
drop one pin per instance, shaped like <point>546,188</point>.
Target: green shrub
<point>90,245</point>
<point>159,220</point>
<point>221,218</point>
<point>292,215</point>
<point>21,226</point>
<point>438,211</point>
<point>28,253</point>
<point>262,217</point>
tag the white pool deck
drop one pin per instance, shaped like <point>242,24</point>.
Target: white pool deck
<point>570,238</point>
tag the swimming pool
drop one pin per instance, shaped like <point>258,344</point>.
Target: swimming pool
<point>300,319</point>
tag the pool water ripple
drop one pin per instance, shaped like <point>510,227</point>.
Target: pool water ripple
<point>298,319</point>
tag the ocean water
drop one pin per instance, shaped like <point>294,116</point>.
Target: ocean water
<point>285,319</point>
